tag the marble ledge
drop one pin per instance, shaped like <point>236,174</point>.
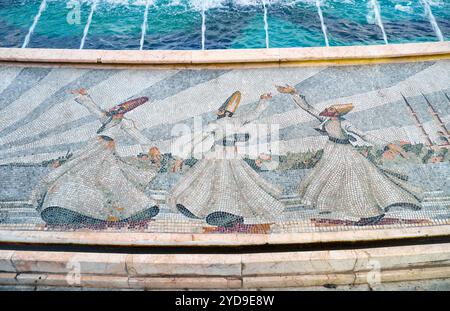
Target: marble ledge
<point>200,240</point>
<point>184,265</point>
<point>373,278</point>
<point>228,265</point>
<point>121,264</point>
<point>6,264</point>
<point>64,262</point>
<point>241,56</point>
<point>344,261</point>
<point>118,282</point>
<point>382,278</point>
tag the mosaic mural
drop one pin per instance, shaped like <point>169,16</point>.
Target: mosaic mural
<point>270,150</point>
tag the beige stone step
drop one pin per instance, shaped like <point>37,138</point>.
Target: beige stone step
<point>358,278</point>
<point>9,235</point>
<point>215,271</point>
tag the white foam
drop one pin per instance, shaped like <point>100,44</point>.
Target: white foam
<point>404,8</point>
<point>203,23</point>
<point>35,22</point>
<point>88,24</point>
<point>375,6</point>
<point>266,24</point>
<point>322,23</point>
<point>145,23</point>
<point>432,19</point>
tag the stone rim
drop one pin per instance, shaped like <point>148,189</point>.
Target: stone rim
<point>315,55</point>
<point>92,238</point>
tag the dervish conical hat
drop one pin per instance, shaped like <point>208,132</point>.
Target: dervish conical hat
<point>232,102</point>
<point>342,108</point>
<point>129,105</point>
<point>117,112</point>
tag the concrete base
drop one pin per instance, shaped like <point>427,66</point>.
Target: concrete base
<point>370,268</point>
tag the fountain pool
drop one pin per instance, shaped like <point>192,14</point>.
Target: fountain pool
<point>219,24</point>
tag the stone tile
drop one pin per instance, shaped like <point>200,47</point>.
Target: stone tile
<point>235,56</point>
<point>297,280</point>
<point>104,281</point>
<point>297,263</point>
<point>345,261</point>
<point>6,264</point>
<point>59,262</point>
<point>15,288</point>
<point>185,282</point>
<point>58,289</point>
<point>37,279</point>
<point>8,278</point>
<point>184,265</point>
<point>381,281</point>
<point>146,57</point>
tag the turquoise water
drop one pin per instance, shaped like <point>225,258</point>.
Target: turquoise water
<point>219,24</point>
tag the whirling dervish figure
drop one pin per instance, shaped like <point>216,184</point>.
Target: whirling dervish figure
<point>222,188</point>
<point>96,187</point>
<point>344,180</point>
